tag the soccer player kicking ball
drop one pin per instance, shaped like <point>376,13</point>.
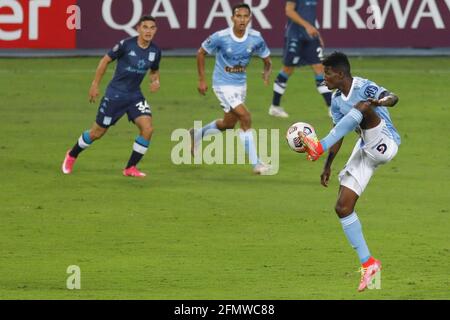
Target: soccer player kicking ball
<point>357,104</point>
<point>135,57</point>
<point>233,48</point>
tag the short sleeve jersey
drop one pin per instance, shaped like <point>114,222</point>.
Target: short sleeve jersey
<point>233,55</point>
<point>133,63</point>
<point>361,90</point>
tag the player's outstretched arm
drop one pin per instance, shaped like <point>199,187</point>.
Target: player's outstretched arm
<point>202,85</point>
<point>386,99</point>
<point>325,176</point>
<point>154,80</point>
<point>294,16</point>
<point>267,70</point>
<point>99,73</point>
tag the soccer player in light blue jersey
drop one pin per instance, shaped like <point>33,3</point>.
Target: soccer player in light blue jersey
<point>303,46</point>
<point>233,48</point>
<point>136,57</point>
<point>362,105</point>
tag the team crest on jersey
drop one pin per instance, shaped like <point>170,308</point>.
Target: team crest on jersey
<point>152,56</point>
<point>371,91</point>
<point>249,49</point>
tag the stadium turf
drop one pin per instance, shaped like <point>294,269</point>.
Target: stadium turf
<point>214,231</point>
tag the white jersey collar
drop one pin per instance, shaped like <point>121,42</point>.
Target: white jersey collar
<point>233,36</point>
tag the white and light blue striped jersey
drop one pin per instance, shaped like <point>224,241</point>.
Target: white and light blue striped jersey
<point>233,55</point>
<point>361,90</point>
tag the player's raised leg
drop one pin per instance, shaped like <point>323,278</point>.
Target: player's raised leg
<point>140,146</point>
<point>84,141</point>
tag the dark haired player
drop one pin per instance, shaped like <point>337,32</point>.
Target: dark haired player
<point>303,45</point>
<point>233,48</point>
<point>362,105</point>
<point>135,57</point>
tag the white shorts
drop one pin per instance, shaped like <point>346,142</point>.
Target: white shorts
<point>375,147</point>
<point>230,97</point>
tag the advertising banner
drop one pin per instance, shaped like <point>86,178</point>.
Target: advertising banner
<point>40,24</point>
<point>186,23</point>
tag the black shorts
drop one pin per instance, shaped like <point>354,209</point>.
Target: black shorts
<point>110,111</point>
<point>301,52</point>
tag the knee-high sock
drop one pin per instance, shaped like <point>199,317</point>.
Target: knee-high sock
<point>84,142</point>
<point>347,124</point>
<point>140,147</point>
<point>353,230</point>
<point>210,128</point>
<point>249,144</point>
<point>279,87</point>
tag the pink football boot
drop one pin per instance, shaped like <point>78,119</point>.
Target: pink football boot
<point>133,172</point>
<point>68,163</point>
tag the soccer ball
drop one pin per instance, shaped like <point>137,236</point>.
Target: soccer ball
<point>292,135</point>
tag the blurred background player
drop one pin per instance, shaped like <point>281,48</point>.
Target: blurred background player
<point>357,104</point>
<point>135,57</point>
<point>303,45</point>
<point>233,48</point>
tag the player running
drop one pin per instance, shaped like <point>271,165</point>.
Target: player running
<point>135,57</point>
<point>303,45</point>
<point>233,48</point>
<point>362,105</point>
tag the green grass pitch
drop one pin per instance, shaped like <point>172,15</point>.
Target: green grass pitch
<point>214,232</point>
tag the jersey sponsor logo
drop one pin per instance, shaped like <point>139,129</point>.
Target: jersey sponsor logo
<point>371,91</point>
<point>132,53</point>
<point>152,56</point>
<point>235,69</point>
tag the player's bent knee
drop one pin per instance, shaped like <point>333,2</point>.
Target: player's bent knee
<point>228,125</point>
<point>246,119</point>
<point>343,210</point>
<point>147,132</point>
